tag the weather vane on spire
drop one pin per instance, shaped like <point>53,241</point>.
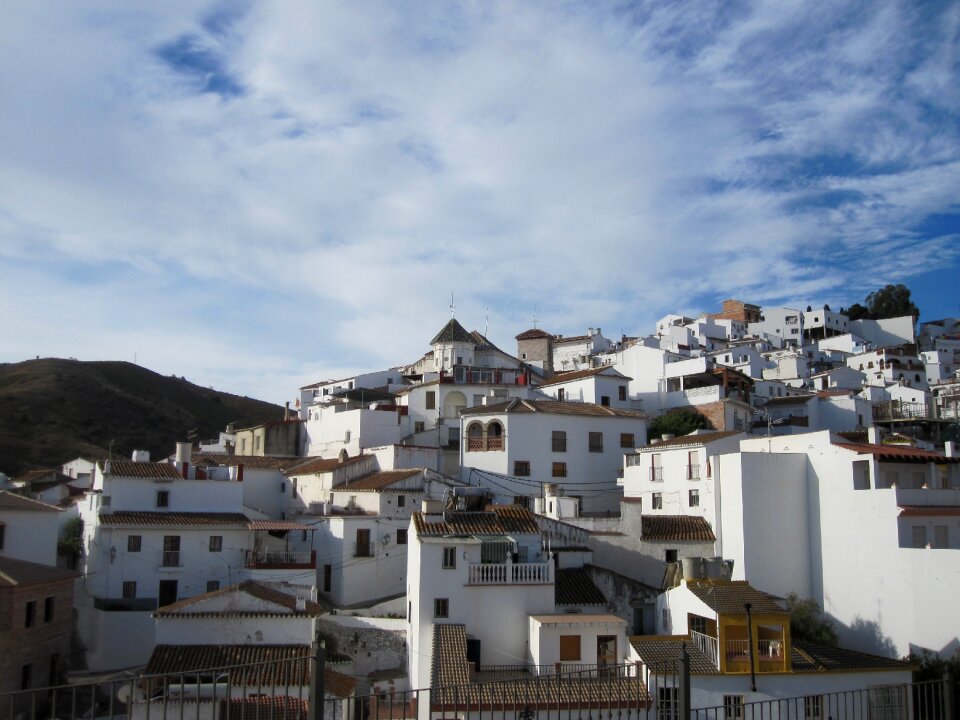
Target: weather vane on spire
<point>453,308</point>
<point>534,317</point>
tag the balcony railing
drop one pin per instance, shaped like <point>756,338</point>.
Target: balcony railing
<point>693,472</point>
<point>279,560</point>
<point>171,558</point>
<point>509,574</point>
<point>738,651</point>
<point>656,474</point>
<point>708,645</point>
<point>483,444</point>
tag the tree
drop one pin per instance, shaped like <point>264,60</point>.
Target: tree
<point>809,622</point>
<point>70,544</point>
<point>887,302</point>
<point>681,421</point>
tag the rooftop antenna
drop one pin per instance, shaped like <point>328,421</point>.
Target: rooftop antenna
<point>486,322</point>
<point>534,317</point>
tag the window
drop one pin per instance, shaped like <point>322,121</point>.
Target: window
<point>622,393</point>
<point>48,609</point>
<point>449,558</point>
<point>656,469</point>
<point>402,536</point>
<point>401,501</point>
<point>569,648</point>
<point>363,542</point>
<point>26,676</point>
<point>667,703</point>
<point>812,707</point>
<point>419,426</point>
<point>441,608</point>
<point>53,678</point>
<point>521,468</point>
<point>693,498</point>
<point>693,465</point>
<point>216,543</point>
<point>171,551</point>
<point>733,707</point>
<point>213,585</point>
<point>559,470</point>
<point>940,536</point>
<point>559,441</point>
<point>134,543</point>
<point>920,536</point>
<point>670,555</point>
<point>521,500</point>
<point>561,394</point>
<point>431,399</point>
<point>596,442</point>
<point>657,501</point>
<point>627,440</point>
<point>105,500</point>
<point>129,588</point>
<point>605,400</point>
<point>327,578</point>
<point>31,613</point>
<point>163,498</point>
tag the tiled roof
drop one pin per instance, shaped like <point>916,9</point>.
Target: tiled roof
<point>449,662</point>
<point>453,332</point>
<point>894,453</point>
<point>310,466</point>
<point>20,572</point>
<point>727,597</point>
<point>249,462</point>
<point>533,334</point>
<point>377,480</point>
<point>12,501</point>
<point>496,520</point>
<point>573,586</point>
<point>249,665</point>
<point>808,657</point>
<point>578,692</point>
<point>929,510</point>
<point>675,527</point>
<point>858,437</point>
<point>551,406</point>
<point>128,468</point>
<point>248,587</point>
<point>559,339</point>
<point>692,439</point>
<point>276,525</point>
<point>790,400</point>
<point>33,475</point>
<point>580,374</point>
<point>168,519</point>
<point>265,707</point>
<point>662,654</point>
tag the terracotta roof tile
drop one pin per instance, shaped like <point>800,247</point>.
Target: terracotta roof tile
<point>449,661</point>
<point>573,586</point>
<point>929,510</point>
<point>662,654</point>
<point>310,466</point>
<point>453,332</point>
<point>265,707</point>
<point>533,334</point>
<point>894,453</point>
<point>248,587</point>
<point>580,374</point>
<point>15,573</point>
<point>34,475</point>
<point>128,468</point>
<point>577,692</point>
<point>169,519</point>
<point>551,406</point>
<point>276,525</point>
<point>250,462</point>
<point>808,657</point>
<point>378,480</point>
<point>727,597</point>
<point>692,439</point>
<point>246,664</point>
<point>12,501</point>
<point>676,527</point>
<point>496,520</point>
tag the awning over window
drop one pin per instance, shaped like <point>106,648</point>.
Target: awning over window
<point>495,548</point>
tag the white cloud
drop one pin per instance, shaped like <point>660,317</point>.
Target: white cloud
<point>602,167</point>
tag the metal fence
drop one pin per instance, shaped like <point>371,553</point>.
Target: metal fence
<point>285,689</point>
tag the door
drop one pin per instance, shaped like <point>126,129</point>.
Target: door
<point>473,652</point>
<point>606,650</point>
<point>171,551</point>
<point>327,578</point>
<point>168,593</point>
<point>363,543</point>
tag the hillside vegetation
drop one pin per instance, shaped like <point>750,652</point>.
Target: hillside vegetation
<point>54,410</point>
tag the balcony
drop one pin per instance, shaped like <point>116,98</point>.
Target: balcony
<point>483,444</point>
<point>708,645</point>
<point>656,474</point>
<point>283,560</point>
<point>509,574</point>
<point>769,656</point>
<point>171,558</point>
<point>468,375</point>
<point>693,472</point>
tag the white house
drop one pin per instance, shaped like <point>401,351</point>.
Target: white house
<point>576,352</point>
<point>783,323</point>
<point>29,529</point>
<point>604,386</point>
<point>516,448</point>
<point>724,642</point>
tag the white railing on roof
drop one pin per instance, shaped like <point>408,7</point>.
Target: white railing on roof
<point>509,574</point>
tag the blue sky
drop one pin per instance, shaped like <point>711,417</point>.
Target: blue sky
<point>262,195</point>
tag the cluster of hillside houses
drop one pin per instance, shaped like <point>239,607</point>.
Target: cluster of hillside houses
<point>481,514</point>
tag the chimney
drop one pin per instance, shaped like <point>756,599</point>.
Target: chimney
<point>949,449</point>
<point>286,411</point>
<point>184,450</point>
<point>140,456</point>
<point>301,604</point>
<point>873,435</point>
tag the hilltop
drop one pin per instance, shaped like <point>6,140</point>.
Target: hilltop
<point>53,410</point>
